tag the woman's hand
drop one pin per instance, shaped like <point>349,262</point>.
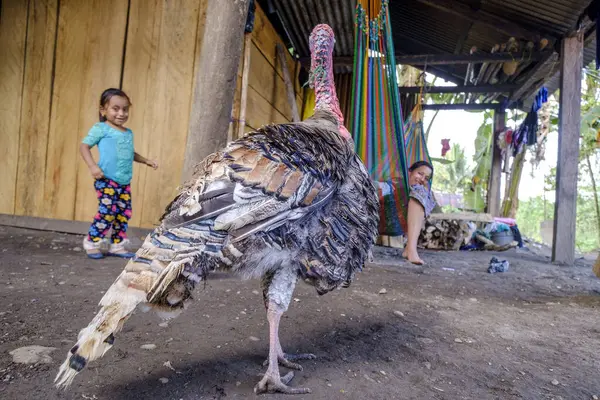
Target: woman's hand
<point>96,172</point>
<point>152,163</point>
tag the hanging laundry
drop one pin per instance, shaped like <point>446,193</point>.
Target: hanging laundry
<point>445,146</point>
<point>526,134</point>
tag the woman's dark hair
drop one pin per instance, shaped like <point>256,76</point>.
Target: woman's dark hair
<point>419,164</point>
<point>109,94</point>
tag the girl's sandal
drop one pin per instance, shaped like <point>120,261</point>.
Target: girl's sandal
<point>92,249</point>
<point>118,250</point>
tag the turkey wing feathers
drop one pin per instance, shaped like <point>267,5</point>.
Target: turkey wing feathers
<point>260,182</point>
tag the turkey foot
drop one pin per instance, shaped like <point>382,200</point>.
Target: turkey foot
<point>272,382</point>
<point>287,360</point>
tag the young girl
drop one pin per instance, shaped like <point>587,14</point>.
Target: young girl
<point>112,173</point>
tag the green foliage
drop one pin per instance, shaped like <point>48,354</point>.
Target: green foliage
<point>452,176</point>
<point>531,214</point>
<point>535,210</point>
<point>483,149</point>
<point>474,199</point>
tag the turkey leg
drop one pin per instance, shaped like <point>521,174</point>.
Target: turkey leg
<point>272,381</point>
<point>278,288</point>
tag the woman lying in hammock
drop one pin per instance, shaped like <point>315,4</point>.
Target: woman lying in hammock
<point>420,205</point>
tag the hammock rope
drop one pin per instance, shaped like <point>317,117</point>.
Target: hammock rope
<point>386,143</point>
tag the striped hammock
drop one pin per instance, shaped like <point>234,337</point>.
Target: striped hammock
<point>386,143</point>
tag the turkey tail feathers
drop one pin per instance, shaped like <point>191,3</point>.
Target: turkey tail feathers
<point>98,337</point>
<point>118,303</point>
<point>154,278</point>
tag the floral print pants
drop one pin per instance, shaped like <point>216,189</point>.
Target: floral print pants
<point>114,210</point>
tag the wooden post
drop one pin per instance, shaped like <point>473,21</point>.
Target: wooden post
<point>563,247</point>
<point>493,199</point>
<point>245,76</point>
<point>288,83</point>
<point>218,62</point>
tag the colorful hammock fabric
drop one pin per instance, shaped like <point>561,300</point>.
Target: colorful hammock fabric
<point>414,137</point>
<point>386,144</point>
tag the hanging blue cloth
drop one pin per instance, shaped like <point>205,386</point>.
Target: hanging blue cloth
<point>527,132</point>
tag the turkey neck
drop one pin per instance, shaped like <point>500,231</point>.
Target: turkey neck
<point>323,82</point>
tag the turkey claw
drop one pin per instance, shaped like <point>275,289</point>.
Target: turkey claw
<point>287,360</point>
<point>275,384</point>
<point>302,356</point>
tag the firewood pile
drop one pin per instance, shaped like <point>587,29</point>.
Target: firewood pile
<point>445,234</point>
<point>443,231</point>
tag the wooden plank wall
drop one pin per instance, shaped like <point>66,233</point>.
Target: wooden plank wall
<point>13,33</point>
<point>37,92</point>
<point>158,75</point>
<point>267,98</point>
<point>87,62</point>
<point>343,87</point>
<point>57,58</point>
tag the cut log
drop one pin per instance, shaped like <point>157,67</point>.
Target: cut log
<point>446,233</point>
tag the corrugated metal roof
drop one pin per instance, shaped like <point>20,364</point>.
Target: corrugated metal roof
<point>302,15</point>
<point>546,16</point>
<point>420,28</point>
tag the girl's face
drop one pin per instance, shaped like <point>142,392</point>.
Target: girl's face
<point>116,110</point>
<point>420,176</point>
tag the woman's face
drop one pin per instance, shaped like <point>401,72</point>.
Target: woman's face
<point>420,176</point>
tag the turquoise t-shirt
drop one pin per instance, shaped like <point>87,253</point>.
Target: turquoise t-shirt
<point>116,151</point>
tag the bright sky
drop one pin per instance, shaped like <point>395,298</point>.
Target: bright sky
<point>461,127</point>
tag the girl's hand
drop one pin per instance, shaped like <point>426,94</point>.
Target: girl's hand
<point>96,172</point>
<point>152,163</point>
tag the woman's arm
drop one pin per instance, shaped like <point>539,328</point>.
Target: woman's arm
<point>143,160</point>
<point>86,154</point>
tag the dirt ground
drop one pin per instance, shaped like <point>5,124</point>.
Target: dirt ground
<point>448,330</point>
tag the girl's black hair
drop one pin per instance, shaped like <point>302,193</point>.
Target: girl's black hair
<point>419,164</point>
<point>109,94</point>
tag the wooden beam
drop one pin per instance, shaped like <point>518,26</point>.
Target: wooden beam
<point>563,248</point>
<point>483,17</point>
<point>241,124</point>
<point>462,106</point>
<point>459,89</point>
<point>215,82</point>
<point>493,198</point>
<point>449,59</point>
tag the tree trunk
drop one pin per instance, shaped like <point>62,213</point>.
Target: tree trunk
<point>595,190</point>
<point>215,82</point>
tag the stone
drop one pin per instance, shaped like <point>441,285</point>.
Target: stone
<point>32,355</point>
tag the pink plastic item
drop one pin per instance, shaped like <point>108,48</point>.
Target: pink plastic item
<point>507,221</point>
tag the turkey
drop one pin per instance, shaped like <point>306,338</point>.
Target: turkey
<point>287,201</point>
